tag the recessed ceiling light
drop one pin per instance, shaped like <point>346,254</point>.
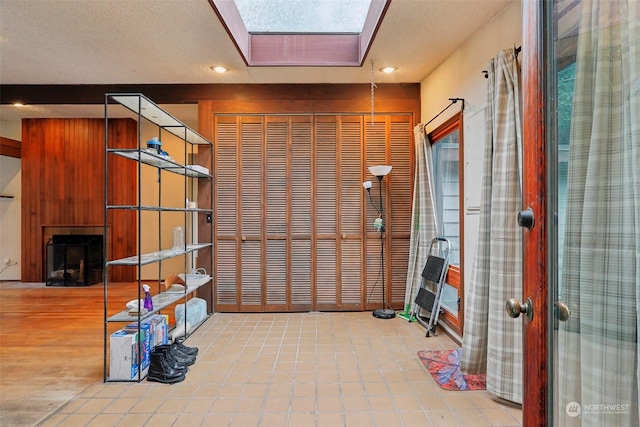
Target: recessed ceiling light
<point>219,69</point>
<point>18,104</point>
<point>388,69</point>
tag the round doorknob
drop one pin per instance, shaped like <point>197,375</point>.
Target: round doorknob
<point>525,218</point>
<point>515,308</point>
<point>562,311</point>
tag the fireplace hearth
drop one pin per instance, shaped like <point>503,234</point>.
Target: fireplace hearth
<point>74,260</point>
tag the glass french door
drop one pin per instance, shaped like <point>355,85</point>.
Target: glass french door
<point>581,166</point>
<point>593,138</point>
<point>581,212</point>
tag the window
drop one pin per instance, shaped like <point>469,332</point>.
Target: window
<point>447,146</point>
<point>302,33</point>
<point>303,16</point>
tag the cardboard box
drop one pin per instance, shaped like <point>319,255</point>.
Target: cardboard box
<point>160,330</point>
<point>124,359</point>
<point>156,328</point>
<point>167,321</point>
<point>146,334</point>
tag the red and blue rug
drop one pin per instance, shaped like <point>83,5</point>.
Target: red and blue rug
<point>444,366</point>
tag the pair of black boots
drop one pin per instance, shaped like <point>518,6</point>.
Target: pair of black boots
<point>169,362</point>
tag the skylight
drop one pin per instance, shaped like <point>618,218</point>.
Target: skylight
<point>303,16</point>
<point>302,33</point>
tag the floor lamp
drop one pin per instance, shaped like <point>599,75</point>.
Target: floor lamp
<point>380,172</point>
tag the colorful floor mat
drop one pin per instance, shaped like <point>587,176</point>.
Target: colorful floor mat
<point>444,366</point>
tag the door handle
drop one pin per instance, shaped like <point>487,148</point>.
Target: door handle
<point>525,218</point>
<point>562,311</point>
<point>514,308</point>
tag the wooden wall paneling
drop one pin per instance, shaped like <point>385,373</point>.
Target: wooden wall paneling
<point>95,175</point>
<point>72,147</point>
<point>204,157</point>
<point>62,182</point>
<point>53,157</point>
<point>10,147</point>
<point>29,221</point>
<point>244,97</point>
<point>122,182</point>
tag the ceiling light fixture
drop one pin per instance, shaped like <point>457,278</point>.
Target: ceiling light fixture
<point>388,70</point>
<point>18,104</point>
<point>219,69</point>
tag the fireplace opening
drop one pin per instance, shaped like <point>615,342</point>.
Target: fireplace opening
<point>74,259</point>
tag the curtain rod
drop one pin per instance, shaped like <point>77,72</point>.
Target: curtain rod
<point>516,51</point>
<point>453,101</point>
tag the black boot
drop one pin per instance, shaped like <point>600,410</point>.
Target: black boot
<point>180,357</point>
<point>172,361</point>
<point>160,371</point>
<point>179,343</point>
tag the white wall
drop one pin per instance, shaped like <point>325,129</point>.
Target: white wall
<point>460,76</point>
<point>10,209</point>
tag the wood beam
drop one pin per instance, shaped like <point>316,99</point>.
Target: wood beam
<point>10,147</point>
<point>192,93</point>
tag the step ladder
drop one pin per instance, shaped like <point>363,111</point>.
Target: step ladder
<point>429,295</point>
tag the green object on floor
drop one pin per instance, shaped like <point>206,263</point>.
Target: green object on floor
<point>406,314</point>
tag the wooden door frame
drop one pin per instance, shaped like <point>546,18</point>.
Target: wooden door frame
<point>455,273</point>
<point>536,408</point>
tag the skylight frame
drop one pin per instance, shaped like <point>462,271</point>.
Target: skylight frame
<point>300,49</point>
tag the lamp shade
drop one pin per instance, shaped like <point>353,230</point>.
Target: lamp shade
<point>367,185</point>
<point>380,170</point>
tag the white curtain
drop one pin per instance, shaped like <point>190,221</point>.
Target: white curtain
<point>423,220</point>
<point>492,341</point>
<point>598,346</point>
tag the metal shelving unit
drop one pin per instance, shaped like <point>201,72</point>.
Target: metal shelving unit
<point>149,115</point>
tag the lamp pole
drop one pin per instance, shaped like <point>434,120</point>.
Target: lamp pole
<point>380,172</point>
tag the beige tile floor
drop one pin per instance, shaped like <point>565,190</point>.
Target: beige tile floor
<point>301,369</point>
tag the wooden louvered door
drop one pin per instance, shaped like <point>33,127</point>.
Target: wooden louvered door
<point>289,226</point>
<point>288,213</point>
<point>386,142</point>
<point>226,220</point>
<point>326,218</point>
<point>399,130</point>
<point>338,172</point>
<point>351,291</point>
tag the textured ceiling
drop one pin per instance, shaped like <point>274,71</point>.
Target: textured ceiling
<point>177,41</point>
